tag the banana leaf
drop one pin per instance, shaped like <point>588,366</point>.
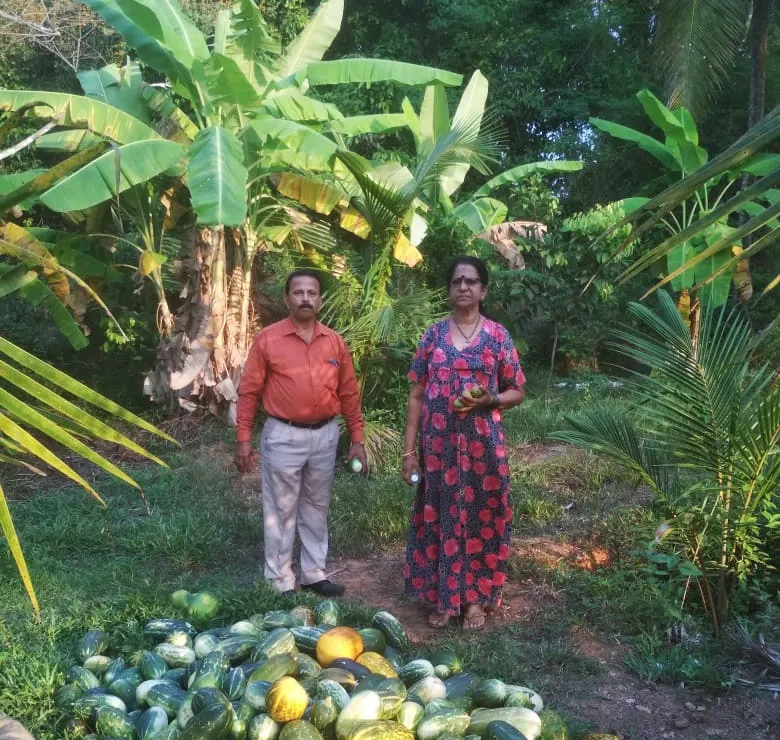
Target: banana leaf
<point>315,39</point>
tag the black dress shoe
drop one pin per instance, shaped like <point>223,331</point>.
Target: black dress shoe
<point>324,588</point>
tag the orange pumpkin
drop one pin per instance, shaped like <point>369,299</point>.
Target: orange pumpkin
<point>339,642</point>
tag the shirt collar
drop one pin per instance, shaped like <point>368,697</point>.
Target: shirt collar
<point>291,328</point>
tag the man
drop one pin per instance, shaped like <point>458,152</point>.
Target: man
<point>303,372</point>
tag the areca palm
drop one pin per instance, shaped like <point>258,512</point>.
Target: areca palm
<point>708,445</point>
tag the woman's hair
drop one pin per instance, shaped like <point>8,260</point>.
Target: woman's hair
<point>475,262</point>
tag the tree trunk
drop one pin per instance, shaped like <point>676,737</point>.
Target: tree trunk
<point>199,364</point>
<point>759,54</point>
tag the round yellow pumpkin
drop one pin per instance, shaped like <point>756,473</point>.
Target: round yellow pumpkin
<point>339,642</point>
<point>286,700</point>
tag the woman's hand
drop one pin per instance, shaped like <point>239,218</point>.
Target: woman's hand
<point>485,400</point>
<point>410,465</point>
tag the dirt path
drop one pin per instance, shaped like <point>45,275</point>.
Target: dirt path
<point>615,701</point>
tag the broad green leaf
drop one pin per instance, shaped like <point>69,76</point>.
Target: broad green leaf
<point>516,174</point>
<point>375,70</point>
<point>118,87</point>
<point>166,23</point>
<point>317,151</point>
<point>113,173</point>
<point>56,377</point>
<point>225,82</point>
<point>470,107</point>
<point>12,182</point>
<point>652,146</point>
<point>761,164</point>
<point>315,39</point>
<point>9,532</point>
<point>293,105</point>
<point>434,118</point>
<point>242,34</point>
<point>378,123</point>
<point>412,120</point>
<point>38,293</point>
<point>715,293</point>
<point>75,140</point>
<point>43,181</point>
<point>15,277</point>
<point>11,123</point>
<point>689,156</point>
<point>481,213</point>
<point>660,115</point>
<point>151,51</point>
<point>217,178</point>
<point>161,104</point>
<point>675,259</point>
<point>82,112</point>
<point>690,131</point>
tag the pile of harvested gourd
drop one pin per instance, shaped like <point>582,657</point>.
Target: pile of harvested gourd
<point>292,675</point>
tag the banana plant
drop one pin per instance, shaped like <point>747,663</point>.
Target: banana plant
<point>250,107</point>
<point>702,250</point>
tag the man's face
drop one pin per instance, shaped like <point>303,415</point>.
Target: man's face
<point>304,300</point>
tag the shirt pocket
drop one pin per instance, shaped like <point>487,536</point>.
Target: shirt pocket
<point>330,374</point>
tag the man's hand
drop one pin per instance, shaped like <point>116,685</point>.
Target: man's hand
<point>246,457</point>
<point>358,450</point>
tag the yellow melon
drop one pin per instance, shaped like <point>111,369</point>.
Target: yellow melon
<point>339,642</point>
<point>286,700</point>
<point>377,663</point>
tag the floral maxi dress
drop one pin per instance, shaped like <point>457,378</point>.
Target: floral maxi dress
<point>458,541</point>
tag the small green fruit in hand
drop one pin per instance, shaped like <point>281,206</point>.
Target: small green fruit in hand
<point>477,391</point>
<point>181,598</point>
<point>458,404</point>
<point>355,465</point>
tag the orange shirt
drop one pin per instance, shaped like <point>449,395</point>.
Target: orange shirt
<point>298,381</point>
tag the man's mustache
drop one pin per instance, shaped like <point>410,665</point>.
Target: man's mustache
<point>306,305</point>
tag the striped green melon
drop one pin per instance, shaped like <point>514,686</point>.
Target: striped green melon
<point>383,729</point>
<point>525,720</point>
<point>363,707</point>
<point>300,729</point>
<point>393,630</point>
<point>262,727</point>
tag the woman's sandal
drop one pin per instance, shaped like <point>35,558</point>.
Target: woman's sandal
<point>438,620</point>
<point>474,618</point>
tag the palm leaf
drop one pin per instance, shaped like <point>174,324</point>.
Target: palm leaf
<point>56,377</point>
<point>9,532</point>
<point>697,44</point>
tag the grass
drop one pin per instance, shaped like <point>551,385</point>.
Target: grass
<point>199,527</point>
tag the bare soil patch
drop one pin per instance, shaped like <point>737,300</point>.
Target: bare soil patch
<point>616,700</point>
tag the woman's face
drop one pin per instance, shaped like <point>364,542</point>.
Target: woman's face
<point>466,289</point>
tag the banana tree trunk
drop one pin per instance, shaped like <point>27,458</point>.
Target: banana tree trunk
<point>199,364</point>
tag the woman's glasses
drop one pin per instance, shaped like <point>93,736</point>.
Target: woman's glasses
<point>470,282</point>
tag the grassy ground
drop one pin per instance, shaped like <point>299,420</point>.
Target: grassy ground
<point>199,528</point>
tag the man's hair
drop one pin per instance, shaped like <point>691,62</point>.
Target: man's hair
<point>303,272</point>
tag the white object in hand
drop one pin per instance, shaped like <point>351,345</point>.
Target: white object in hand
<point>355,465</point>
<point>414,478</point>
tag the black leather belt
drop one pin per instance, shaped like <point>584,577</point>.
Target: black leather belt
<point>303,424</point>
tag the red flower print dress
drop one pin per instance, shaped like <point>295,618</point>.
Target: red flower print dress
<point>458,541</point>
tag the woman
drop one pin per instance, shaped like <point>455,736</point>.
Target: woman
<point>458,540</point>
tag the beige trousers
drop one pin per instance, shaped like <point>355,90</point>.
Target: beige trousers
<point>297,478</point>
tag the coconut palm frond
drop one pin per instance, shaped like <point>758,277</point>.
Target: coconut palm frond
<point>697,44</point>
